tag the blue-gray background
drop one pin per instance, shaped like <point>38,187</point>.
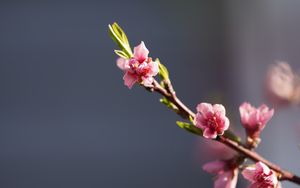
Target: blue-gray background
<point>67,120</point>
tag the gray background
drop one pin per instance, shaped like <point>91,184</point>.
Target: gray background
<point>67,120</point>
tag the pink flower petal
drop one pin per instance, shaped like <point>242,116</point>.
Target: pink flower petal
<point>122,63</point>
<point>267,116</point>
<point>234,178</point>
<point>249,173</point>
<point>218,108</point>
<point>226,124</point>
<point>129,79</point>
<point>255,185</point>
<point>199,121</point>
<point>142,69</point>
<point>214,167</point>
<point>262,168</point>
<point>222,180</point>
<point>154,68</point>
<point>253,120</point>
<point>207,133</point>
<point>205,108</point>
<point>140,52</point>
<point>147,81</point>
<point>279,185</point>
<point>226,180</point>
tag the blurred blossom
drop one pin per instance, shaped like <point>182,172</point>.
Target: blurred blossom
<point>226,177</point>
<point>282,84</point>
<point>211,119</point>
<point>209,149</point>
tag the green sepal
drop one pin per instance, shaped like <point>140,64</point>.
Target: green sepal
<point>190,127</point>
<point>163,71</point>
<point>119,36</point>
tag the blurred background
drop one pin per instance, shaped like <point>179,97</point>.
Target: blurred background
<point>67,120</point>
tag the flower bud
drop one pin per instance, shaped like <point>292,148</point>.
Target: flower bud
<point>255,119</point>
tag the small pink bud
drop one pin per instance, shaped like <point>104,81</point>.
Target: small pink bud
<point>211,119</point>
<point>225,177</point>
<point>261,176</point>
<point>255,119</point>
<point>140,68</point>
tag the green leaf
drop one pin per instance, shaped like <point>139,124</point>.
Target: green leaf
<point>119,36</point>
<point>190,127</point>
<point>163,71</point>
<point>120,33</point>
<point>169,104</point>
<point>232,136</point>
<point>121,54</point>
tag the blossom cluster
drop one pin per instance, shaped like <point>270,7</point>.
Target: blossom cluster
<point>211,120</point>
<point>226,173</point>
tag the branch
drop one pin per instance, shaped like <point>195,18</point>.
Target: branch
<point>283,174</point>
<point>170,94</point>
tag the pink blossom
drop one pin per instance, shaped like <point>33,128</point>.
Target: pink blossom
<point>211,119</point>
<point>282,84</point>
<point>255,119</point>
<point>140,68</point>
<point>261,176</point>
<point>208,149</point>
<point>226,177</point>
